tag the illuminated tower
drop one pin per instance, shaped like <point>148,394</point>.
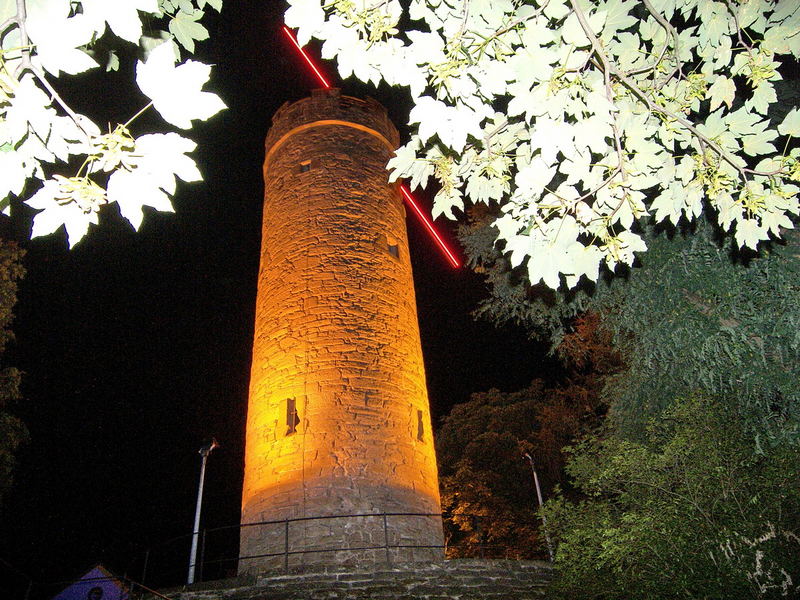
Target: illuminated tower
<point>338,418</point>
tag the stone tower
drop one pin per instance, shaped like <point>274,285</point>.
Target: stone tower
<point>338,419</point>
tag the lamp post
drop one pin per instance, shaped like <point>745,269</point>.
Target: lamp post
<point>204,452</point>
<point>539,496</point>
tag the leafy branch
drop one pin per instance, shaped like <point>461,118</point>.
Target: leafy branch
<point>583,100</point>
<point>139,172</point>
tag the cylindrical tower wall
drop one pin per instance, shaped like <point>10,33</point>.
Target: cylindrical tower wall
<point>338,418</point>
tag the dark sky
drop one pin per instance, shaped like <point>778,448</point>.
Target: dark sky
<point>136,346</point>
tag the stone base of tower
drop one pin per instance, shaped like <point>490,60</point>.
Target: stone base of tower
<point>462,579</point>
<point>343,523</point>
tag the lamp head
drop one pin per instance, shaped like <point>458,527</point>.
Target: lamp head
<point>206,449</point>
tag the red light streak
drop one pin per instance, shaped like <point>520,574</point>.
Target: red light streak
<point>311,64</point>
<point>406,194</point>
<point>429,226</point>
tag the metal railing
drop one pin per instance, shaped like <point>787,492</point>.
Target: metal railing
<point>219,551</point>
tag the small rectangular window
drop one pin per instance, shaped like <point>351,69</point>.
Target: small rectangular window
<point>394,250</point>
<point>292,418</point>
<point>420,427</point>
<point>305,166</point>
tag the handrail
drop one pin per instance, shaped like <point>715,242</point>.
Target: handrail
<point>218,562</point>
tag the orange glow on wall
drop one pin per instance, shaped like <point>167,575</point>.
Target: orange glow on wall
<point>336,346</point>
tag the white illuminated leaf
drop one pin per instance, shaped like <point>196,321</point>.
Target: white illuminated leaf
<point>29,108</point>
<point>122,16</point>
<point>722,91</point>
<point>728,210</point>
<point>761,143</point>
<point>58,38</point>
<point>550,250</point>
<point>157,159</point>
<point>774,221</point>
<point>306,16</point>
<point>618,17</point>
<point>176,92</point>
<point>163,157</point>
<point>452,124</point>
<point>406,164</point>
<point>532,179</point>
<point>763,96</point>
<point>54,213</point>
<point>791,123</point>
<point>749,232</point>
<point>13,173</point>
<point>133,190</point>
<point>445,200</point>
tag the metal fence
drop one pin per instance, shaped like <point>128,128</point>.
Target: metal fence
<point>166,564</point>
<point>219,555</point>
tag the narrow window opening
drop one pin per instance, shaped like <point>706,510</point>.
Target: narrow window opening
<point>394,250</point>
<point>420,427</point>
<point>305,166</point>
<point>292,418</point>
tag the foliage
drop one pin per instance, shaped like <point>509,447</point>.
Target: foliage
<point>696,319</point>
<point>12,430</point>
<point>693,511</point>
<point>698,314</point>
<point>486,484</point>
<point>584,117</point>
<point>42,42</point>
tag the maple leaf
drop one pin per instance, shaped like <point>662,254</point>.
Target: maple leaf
<point>122,16</point>
<point>176,92</point>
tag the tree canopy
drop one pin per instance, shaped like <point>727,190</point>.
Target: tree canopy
<point>486,482</point>
<point>698,315</point>
<point>79,168</point>
<point>691,511</point>
<point>582,118</point>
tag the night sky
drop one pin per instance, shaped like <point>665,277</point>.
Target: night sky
<point>136,346</point>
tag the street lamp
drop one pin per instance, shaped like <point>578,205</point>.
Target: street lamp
<point>539,496</point>
<point>204,452</point>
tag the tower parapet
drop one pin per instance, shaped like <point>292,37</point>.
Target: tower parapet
<point>338,418</point>
<point>330,105</point>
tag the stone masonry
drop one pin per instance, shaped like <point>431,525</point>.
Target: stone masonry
<point>460,579</point>
<point>338,419</point>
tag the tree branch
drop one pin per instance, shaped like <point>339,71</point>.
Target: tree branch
<point>668,28</point>
<point>21,18</point>
<point>57,98</point>
<point>670,31</point>
<point>732,10</point>
<point>596,47</point>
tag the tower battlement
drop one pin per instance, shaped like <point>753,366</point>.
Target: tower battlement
<point>331,105</point>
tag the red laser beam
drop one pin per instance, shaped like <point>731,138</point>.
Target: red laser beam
<point>429,226</point>
<point>311,64</point>
<point>406,194</point>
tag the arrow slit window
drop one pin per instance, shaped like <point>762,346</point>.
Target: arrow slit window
<point>420,427</point>
<point>392,246</point>
<point>292,418</point>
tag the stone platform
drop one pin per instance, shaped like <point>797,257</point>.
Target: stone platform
<point>457,579</point>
